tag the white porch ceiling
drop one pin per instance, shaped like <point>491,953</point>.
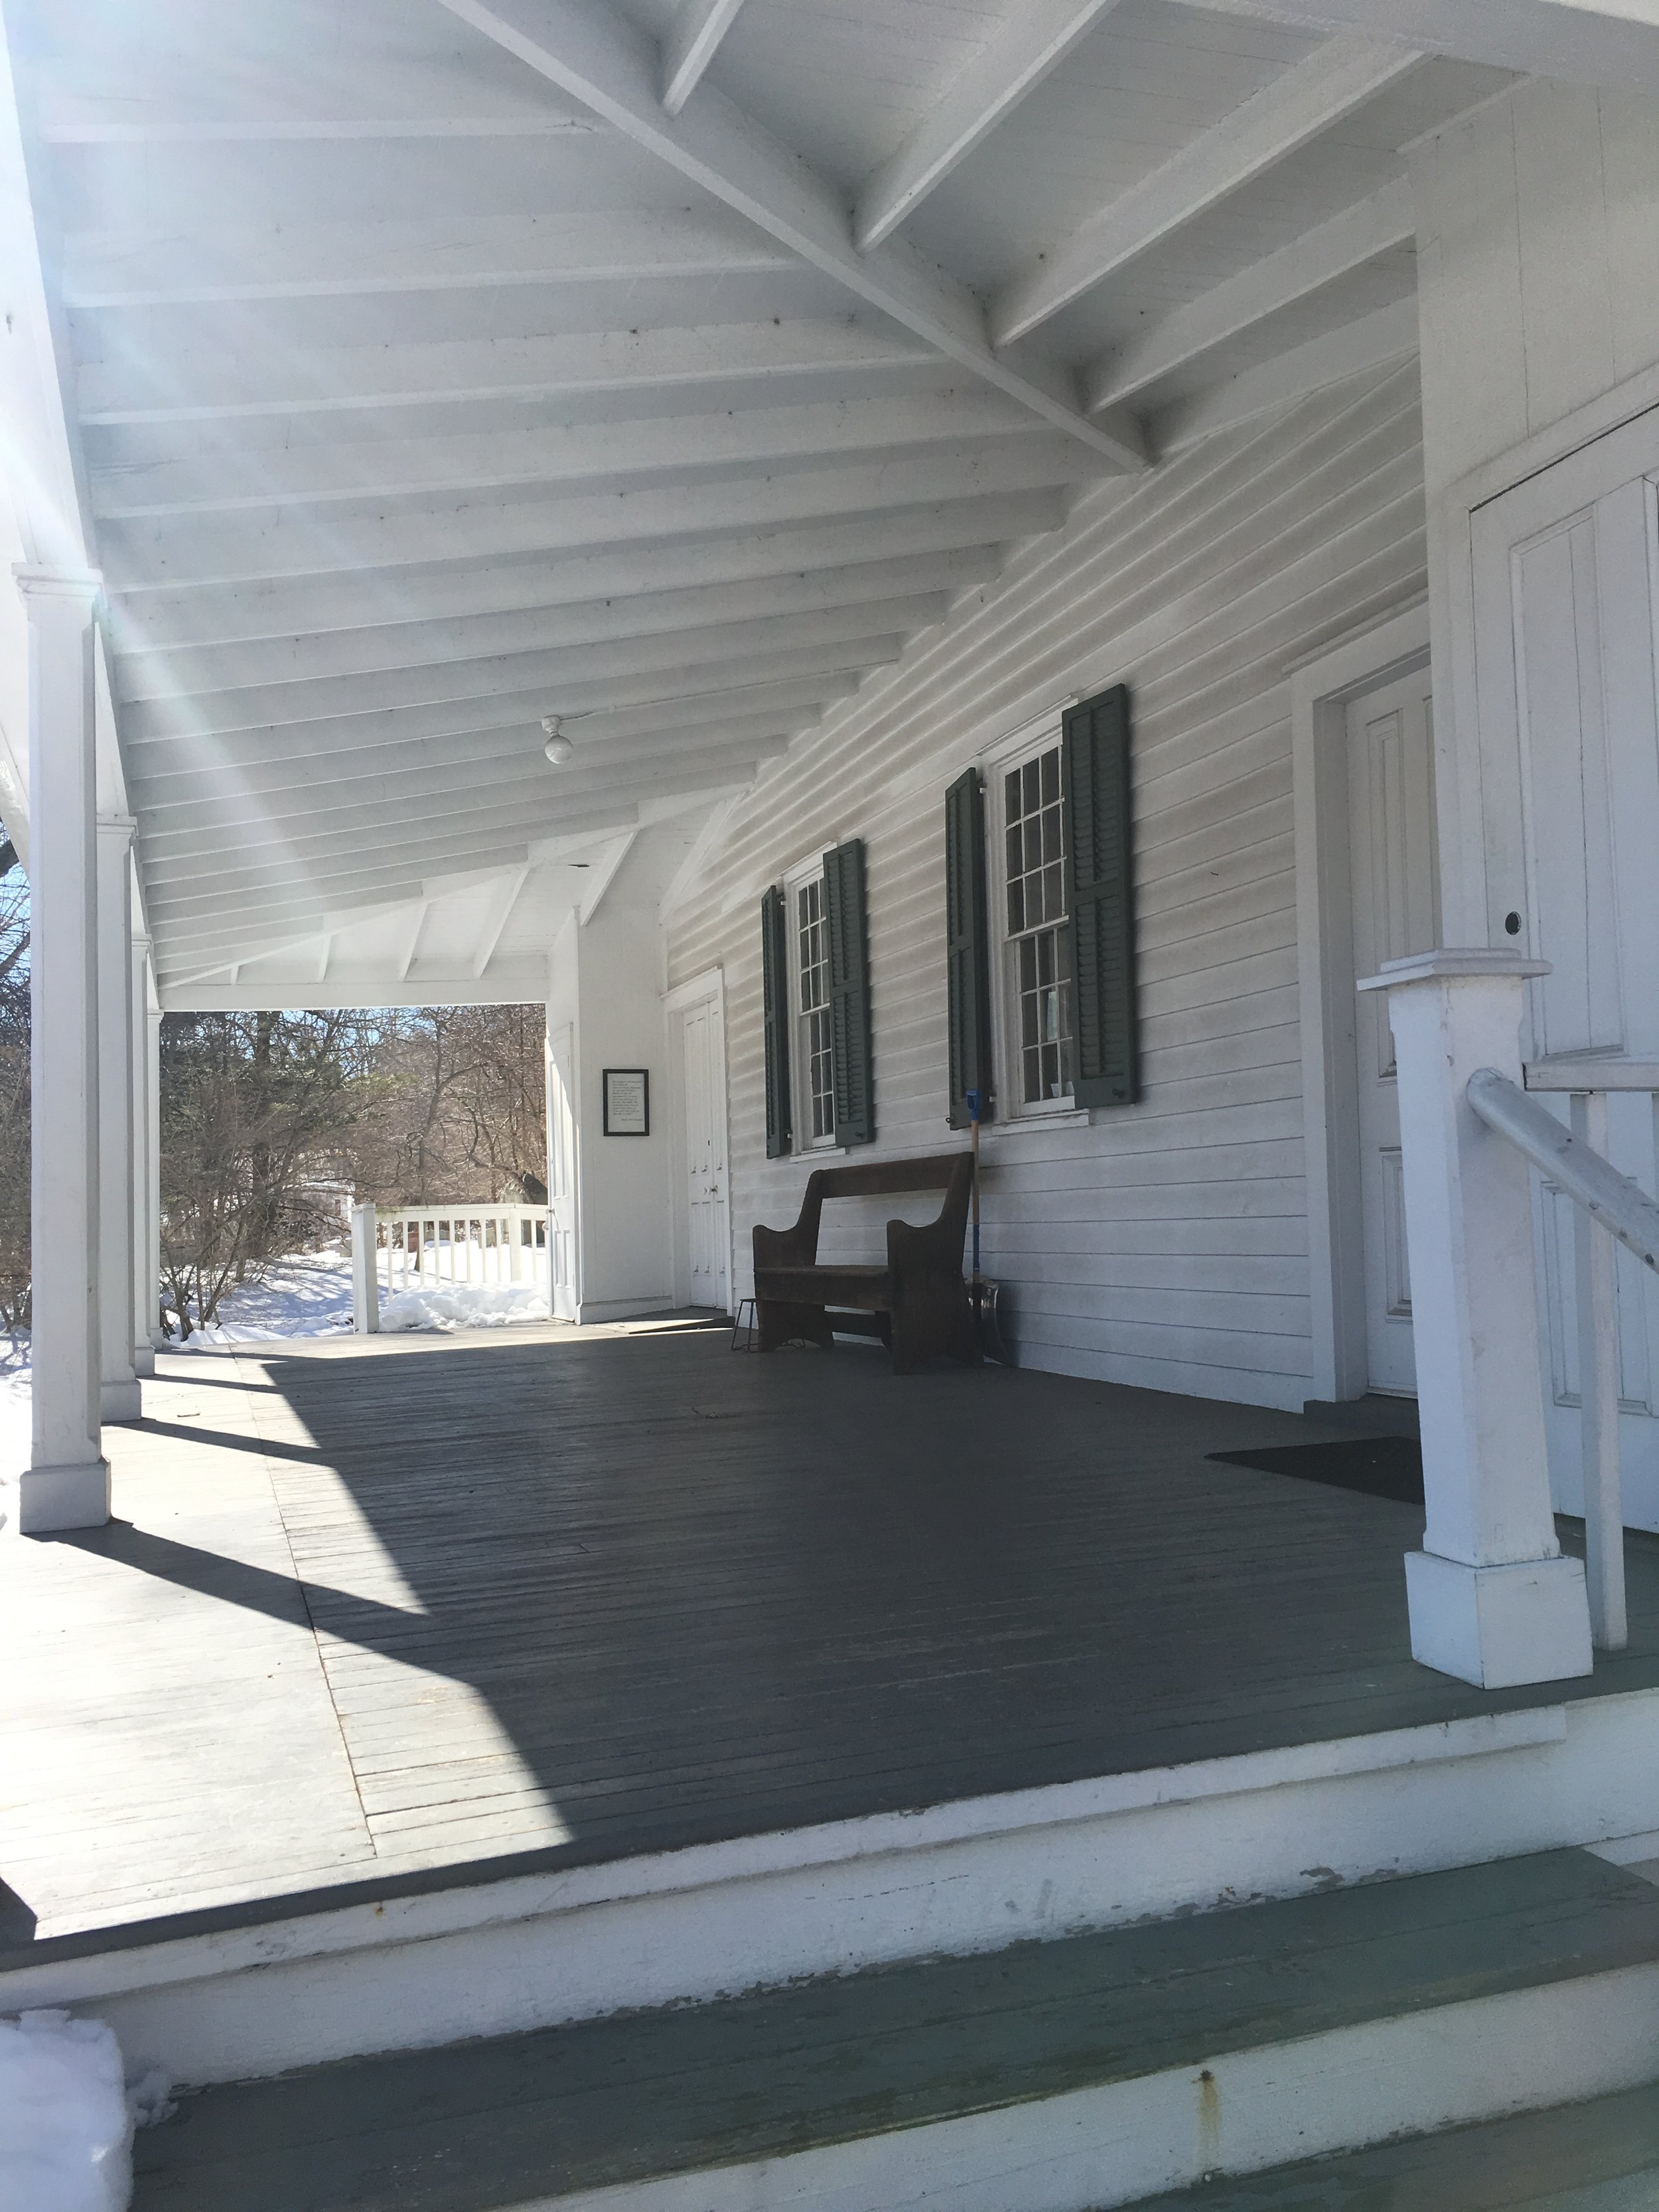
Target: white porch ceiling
<point>437,365</point>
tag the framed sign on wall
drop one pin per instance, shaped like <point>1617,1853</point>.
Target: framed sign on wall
<point>627,1102</point>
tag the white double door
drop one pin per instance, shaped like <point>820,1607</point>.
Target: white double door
<point>706,1201</point>
<point>1565,585</point>
<point>1395,886</point>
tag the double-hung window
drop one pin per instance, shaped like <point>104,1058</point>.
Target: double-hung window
<point>1036,994</point>
<point>814,1051</point>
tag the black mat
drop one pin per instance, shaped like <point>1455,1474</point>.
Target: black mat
<point>1381,1467</point>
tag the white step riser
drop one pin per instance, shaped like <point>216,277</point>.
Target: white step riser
<point>535,1950</point>
<point>1095,2148</point>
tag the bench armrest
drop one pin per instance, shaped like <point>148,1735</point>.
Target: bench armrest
<point>797,1246</point>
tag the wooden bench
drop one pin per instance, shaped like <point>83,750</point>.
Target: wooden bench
<point>917,1300</point>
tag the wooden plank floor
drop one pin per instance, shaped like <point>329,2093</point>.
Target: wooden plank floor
<point>371,1609</point>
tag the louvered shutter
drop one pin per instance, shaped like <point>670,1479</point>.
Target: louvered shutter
<point>1100,893</point>
<point>849,993</point>
<point>774,1004</point>
<point>967,965</point>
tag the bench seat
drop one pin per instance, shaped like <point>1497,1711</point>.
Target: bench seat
<point>918,1297</point>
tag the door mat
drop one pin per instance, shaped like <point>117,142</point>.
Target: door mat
<point>1380,1467</point>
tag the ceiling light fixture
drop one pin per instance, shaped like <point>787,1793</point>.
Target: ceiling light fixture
<point>558,747</point>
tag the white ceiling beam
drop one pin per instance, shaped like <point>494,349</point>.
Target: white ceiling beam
<point>396,792</point>
<point>1036,38</point>
<point>1307,99</point>
<point>693,40</point>
<point>301,261</point>
<point>599,59</point>
<point>229,482</point>
<point>172,673</point>
<point>161,619</point>
<point>519,710</point>
<point>141,386</point>
<point>1373,341</point>
<point>271,989</point>
<point>325,863</point>
<point>273,707</point>
<point>417,924</point>
<point>140,556</point>
<point>1612,43</point>
<point>1359,234</point>
<point>511,811</point>
<point>495,922</point>
<point>603,874</point>
<point>183,775</point>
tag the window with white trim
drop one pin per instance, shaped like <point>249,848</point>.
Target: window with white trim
<point>809,964</point>
<point>1037,949</point>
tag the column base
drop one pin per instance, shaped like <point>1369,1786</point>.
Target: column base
<point>53,1498</point>
<point>144,1362</point>
<point>1499,1627</point>
<point>120,1401</point>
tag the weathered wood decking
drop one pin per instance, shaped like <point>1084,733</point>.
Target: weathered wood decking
<point>375,1608</point>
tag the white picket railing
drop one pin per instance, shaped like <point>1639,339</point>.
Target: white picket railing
<point>1574,1159</point>
<point>409,1247</point>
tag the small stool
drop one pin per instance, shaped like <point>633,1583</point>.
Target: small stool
<point>745,1328</point>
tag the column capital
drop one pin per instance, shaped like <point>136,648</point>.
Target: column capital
<point>1463,962</point>
<point>117,825</point>
<point>86,585</point>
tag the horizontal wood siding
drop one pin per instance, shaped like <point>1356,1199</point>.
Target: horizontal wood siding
<point>1163,1244</point>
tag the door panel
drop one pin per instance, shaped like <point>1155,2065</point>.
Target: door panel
<point>708,1243</point>
<point>1397,910</point>
<point>1566,634</point>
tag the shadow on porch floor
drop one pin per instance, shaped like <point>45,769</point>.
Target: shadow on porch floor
<point>373,1609</point>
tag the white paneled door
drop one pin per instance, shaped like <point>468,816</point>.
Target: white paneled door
<point>1564,579</point>
<point>707,1235</point>
<point>561,1240</point>
<point>1397,910</point>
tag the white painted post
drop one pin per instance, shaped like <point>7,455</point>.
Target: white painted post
<point>144,1195</point>
<point>1492,1599</point>
<point>365,1272</point>
<point>151,1315</point>
<point>1598,1396</point>
<point>118,1393</point>
<point>67,1483</point>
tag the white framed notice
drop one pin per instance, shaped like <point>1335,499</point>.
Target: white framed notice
<point>627,1102</point>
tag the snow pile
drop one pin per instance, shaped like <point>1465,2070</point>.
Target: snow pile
<point>65,2132</point>
<point>14,1407</point>
<point>307,1294</point>
<point>464,1305</point>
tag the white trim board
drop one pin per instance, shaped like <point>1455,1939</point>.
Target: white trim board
<point>489,1957</point>
<point>1320,691</point>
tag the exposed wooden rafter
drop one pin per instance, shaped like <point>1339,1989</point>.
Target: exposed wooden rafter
<point>693,41</point>
<point>1033,42</point>
<point>602,61</point>
<point>1336,78</point>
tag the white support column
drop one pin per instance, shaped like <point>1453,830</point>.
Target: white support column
<point>119,1390</point>
<point>152,1313</point>
<point>365,1271</point>
<point>144,1278</point>
<point>1492,1599</point>
<point>67,1483</point>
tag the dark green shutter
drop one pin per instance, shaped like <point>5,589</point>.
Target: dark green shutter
<point>1100,893</point>
<point>849,993</point>
<point>774,1004</point>
<point>967,963</point>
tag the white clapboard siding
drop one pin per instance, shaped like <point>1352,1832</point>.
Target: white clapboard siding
<point>1164,1243</point>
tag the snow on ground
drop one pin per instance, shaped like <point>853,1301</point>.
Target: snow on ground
<point>464,1305</point>
<point>14,1409</point>
<point>307,1294</point>
<point>65,2131</point>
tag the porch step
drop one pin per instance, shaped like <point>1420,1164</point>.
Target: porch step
<point>1083,2073</point>
<point>1599,2156</point>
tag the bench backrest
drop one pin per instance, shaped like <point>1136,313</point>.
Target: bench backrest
<point>950,1172</point>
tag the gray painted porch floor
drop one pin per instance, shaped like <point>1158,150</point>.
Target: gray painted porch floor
<point>372,1610</point>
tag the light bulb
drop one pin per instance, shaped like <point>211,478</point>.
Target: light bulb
<point>558,747</point>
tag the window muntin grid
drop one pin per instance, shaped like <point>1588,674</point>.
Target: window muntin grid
<point>1039,941</point>
<point>812,968</point>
